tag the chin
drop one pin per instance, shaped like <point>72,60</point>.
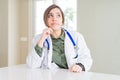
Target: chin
<point>56,28</point>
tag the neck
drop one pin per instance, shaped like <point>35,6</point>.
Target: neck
<point>56,33</point>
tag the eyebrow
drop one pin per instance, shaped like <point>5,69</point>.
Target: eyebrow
<point>55,13</point>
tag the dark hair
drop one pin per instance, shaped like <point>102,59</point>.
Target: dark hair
<point>49,9</point>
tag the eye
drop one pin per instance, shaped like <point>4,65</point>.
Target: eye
<point>50,15</point>
<point>58,15</point>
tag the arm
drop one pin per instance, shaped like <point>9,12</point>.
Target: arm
<point>84,56</point>
<point>84,60</point>
<point>35,57</point>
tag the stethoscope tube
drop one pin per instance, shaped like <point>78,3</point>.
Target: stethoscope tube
<point>69,35</point>
<point>73,42</point>
<point>47,44</point>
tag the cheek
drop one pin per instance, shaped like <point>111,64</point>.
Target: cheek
<point>48,22</point>
<point>61,22</point>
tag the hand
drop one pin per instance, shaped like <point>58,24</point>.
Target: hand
<point>45,34</point>
<point>76,68</point>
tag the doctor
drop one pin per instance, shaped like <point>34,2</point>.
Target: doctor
<point>57,47</point>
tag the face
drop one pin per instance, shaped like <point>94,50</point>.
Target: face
<point>54,19</point>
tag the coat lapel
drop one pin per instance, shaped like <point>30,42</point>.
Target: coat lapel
<point>49,59</point>
<point>69,51</point>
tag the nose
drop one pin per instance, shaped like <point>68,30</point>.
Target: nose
<point>54,18</point>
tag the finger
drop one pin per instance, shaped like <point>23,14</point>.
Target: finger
<point>46,31</point>
<point>51,30</point>
<point>73,69</point>
<point>76,68</point>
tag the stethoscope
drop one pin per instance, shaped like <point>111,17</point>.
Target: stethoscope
<point>73,42</point>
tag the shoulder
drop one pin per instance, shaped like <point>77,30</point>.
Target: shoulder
<point>77,36</point>
<point>75,33</point>
<point>36,38</point>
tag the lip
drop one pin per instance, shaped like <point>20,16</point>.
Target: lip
<point>54,23</point>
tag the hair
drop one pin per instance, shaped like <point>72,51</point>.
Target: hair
<point>49,9</point>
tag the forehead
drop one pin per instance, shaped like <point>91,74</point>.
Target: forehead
<point>55,10</point>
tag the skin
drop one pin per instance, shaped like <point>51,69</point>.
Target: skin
<point>54,22</point>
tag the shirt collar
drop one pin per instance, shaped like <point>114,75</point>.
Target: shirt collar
<point>61,37</point>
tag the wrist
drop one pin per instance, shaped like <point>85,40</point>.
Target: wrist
<point>40,42</point>
<point>81,65</point>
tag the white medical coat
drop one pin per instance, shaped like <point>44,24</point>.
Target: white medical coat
<point>45,61</point>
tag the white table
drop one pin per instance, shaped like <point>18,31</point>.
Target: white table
<point>22,72</point>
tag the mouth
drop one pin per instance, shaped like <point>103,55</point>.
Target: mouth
<point>55,24</point>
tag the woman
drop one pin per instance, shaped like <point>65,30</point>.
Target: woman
<point>58,48</point>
